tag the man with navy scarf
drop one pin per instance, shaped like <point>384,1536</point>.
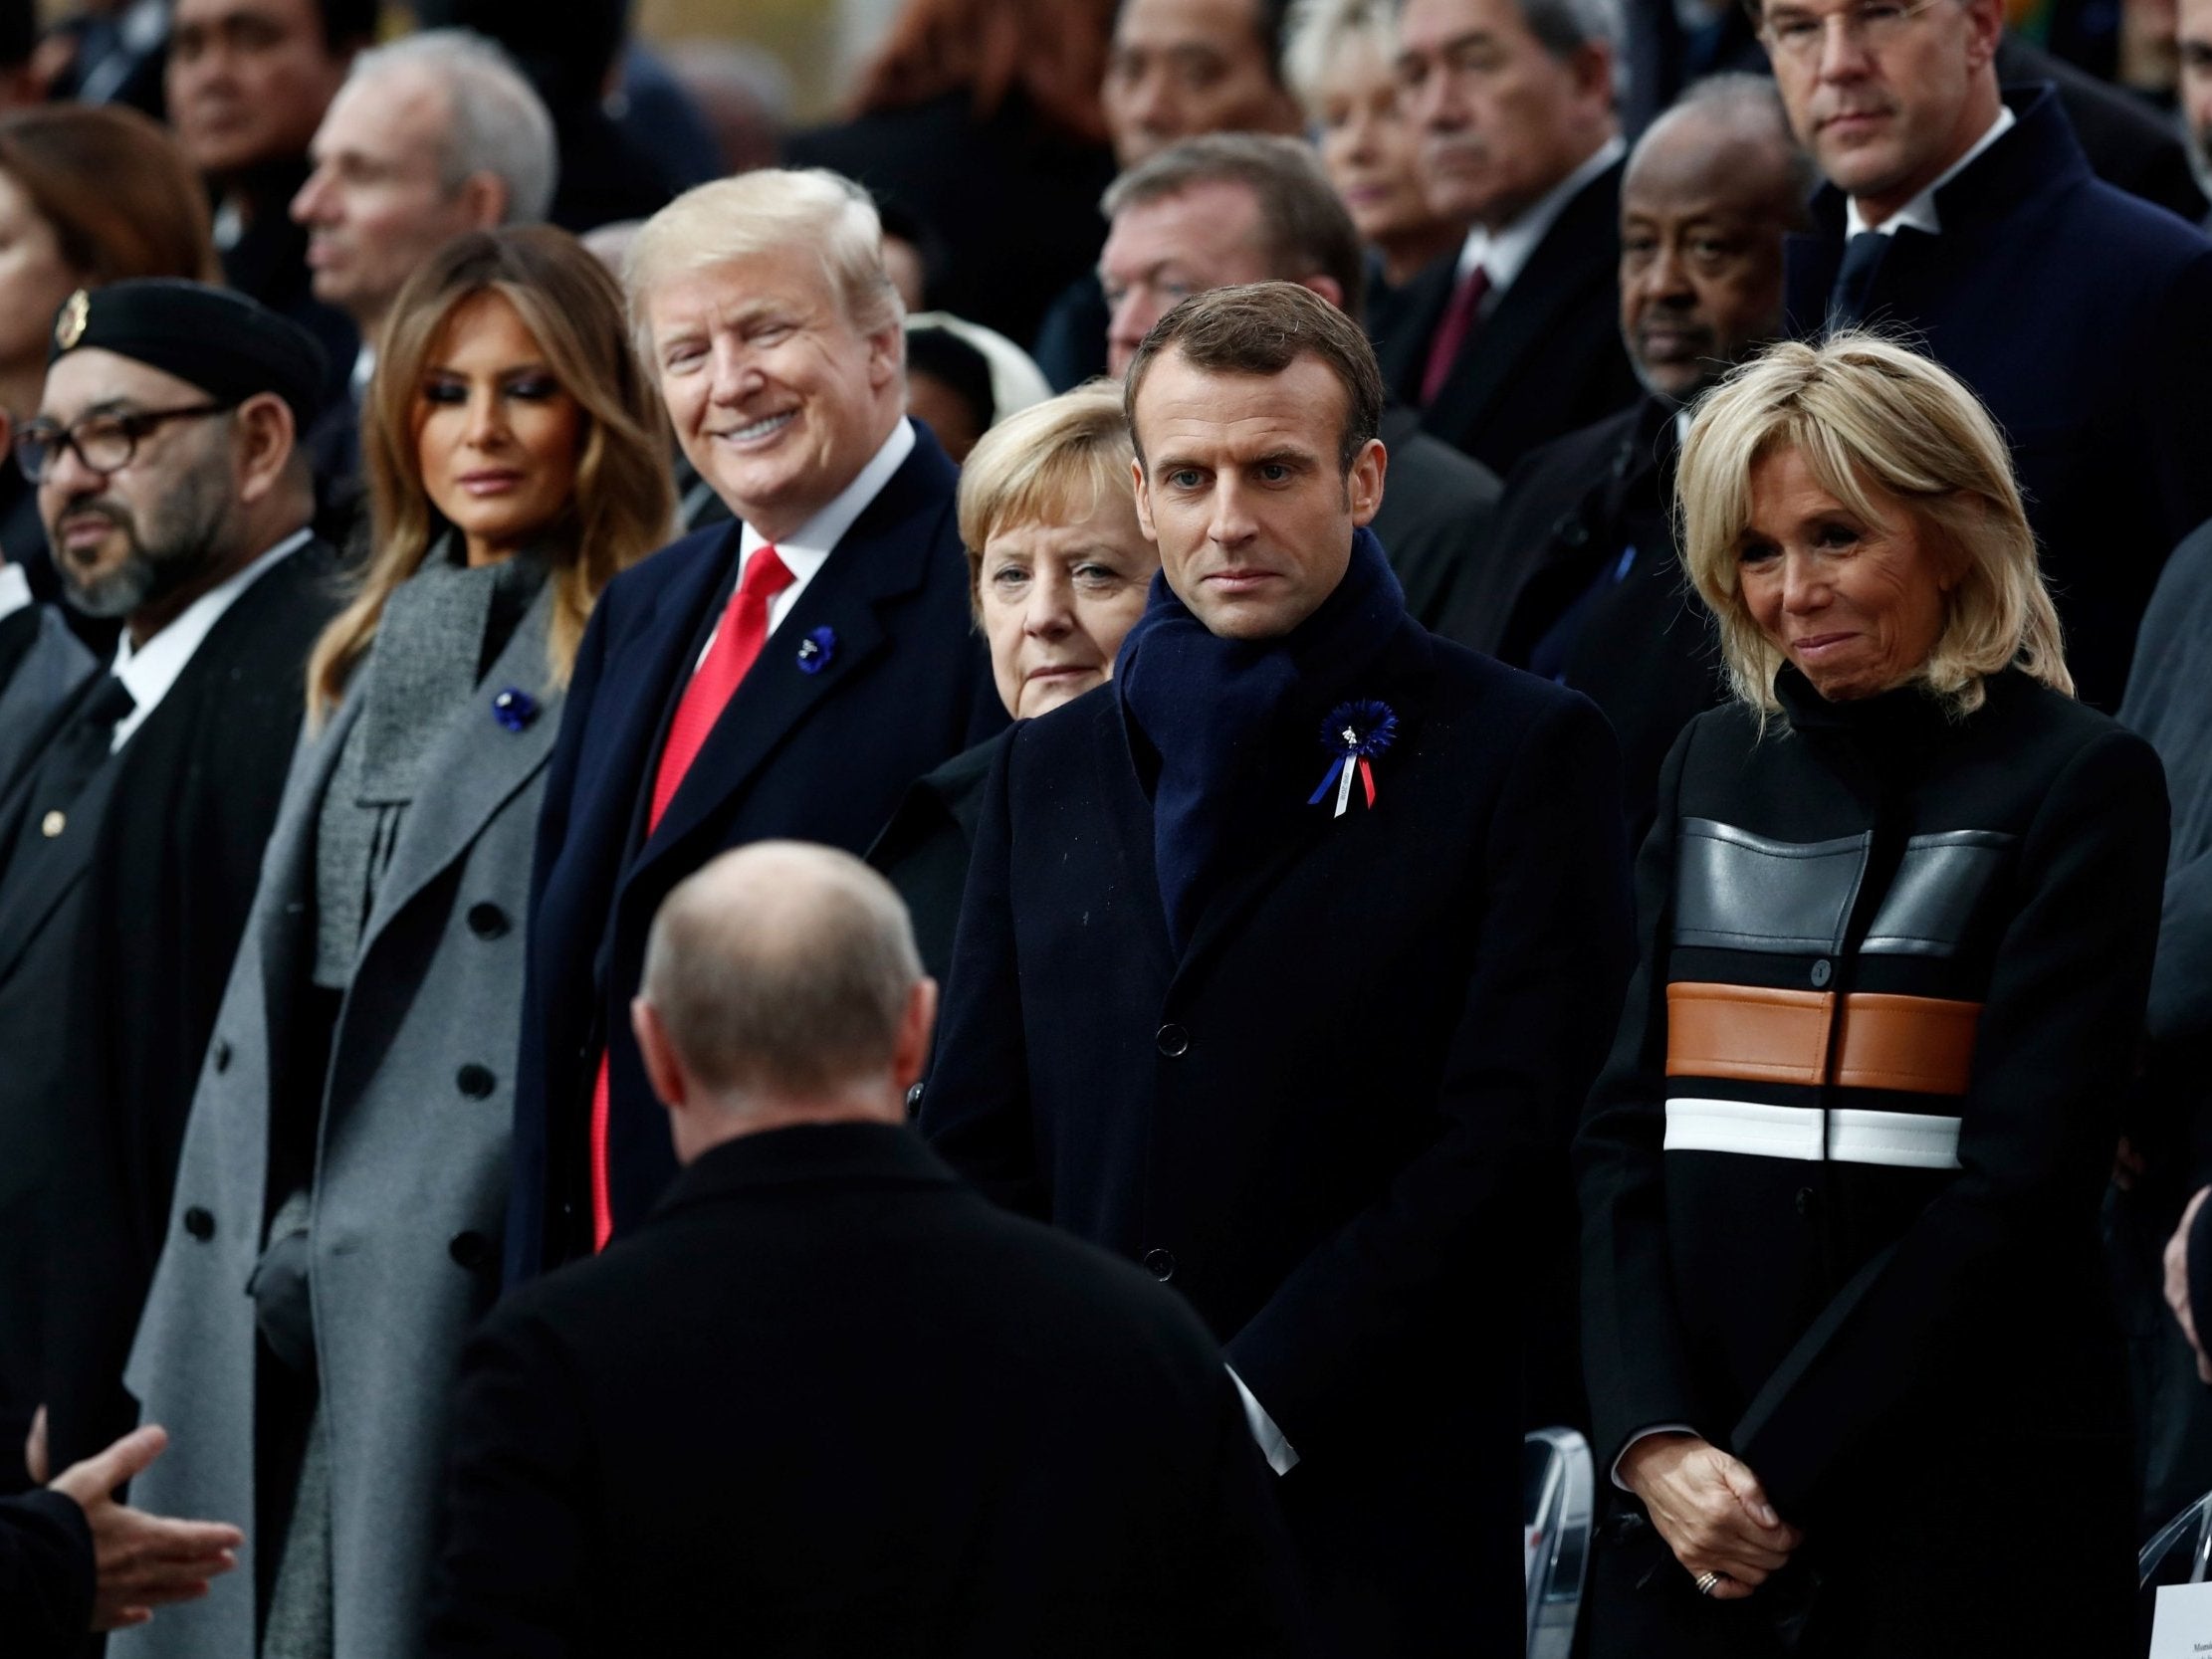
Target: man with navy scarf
<point>1286,962</point>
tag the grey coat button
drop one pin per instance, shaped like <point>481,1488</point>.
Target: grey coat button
<point>1822,974</point>
<point>1174,1041</point>
<point>221,1054</point>
<point>475,1081</point>
<point>199,1223</point>
<point>1805,1200</point>
<point>488,921</point>
<point>1160,1264</point>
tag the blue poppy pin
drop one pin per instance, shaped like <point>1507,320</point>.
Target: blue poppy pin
<point>513,708</point>
<point>1354,734</point>
<point>816,650</point>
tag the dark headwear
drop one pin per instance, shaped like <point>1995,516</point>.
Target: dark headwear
<point>228,345</point>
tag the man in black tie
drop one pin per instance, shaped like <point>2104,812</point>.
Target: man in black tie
<point>178,501</point>
<point>1510,343</point>
<point>1970,218</point>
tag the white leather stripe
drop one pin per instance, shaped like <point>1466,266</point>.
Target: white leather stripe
<point>1900,1139</point>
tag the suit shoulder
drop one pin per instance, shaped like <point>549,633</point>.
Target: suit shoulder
<point>658,568</point>
<point>1470,681</point>
<point>2130,232</point>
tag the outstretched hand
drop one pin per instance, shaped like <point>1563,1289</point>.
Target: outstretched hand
<point>144,1560</point>
<point>1710,1509</point>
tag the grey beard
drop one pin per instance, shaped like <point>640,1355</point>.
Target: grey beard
<point>112,594</point>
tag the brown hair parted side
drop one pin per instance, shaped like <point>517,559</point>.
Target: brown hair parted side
<point>115,186</point>
<point>1261,328</point>
<point>624,501</point>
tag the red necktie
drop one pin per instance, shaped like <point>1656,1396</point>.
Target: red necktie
<point>1452,332</point>
<point>744,629</point>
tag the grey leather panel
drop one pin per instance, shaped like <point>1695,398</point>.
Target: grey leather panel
<point>1941,885</point>
<point>1735,891</point>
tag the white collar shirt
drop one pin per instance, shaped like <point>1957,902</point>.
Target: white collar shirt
<point>1919,213</point>
<point>151,669</point>
<point>1502,253</point>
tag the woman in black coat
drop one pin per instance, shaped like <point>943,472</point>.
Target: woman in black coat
<point>1848,1337</point>
<point>1058,573</point>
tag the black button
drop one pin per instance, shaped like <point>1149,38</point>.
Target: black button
<point>1174,1041</point>
<point>475,1081</point>
<point>914,1100</point>
<point>1160,1264</point>
<point>1822,974</point>
<point>221,1052</point>
<point>1805,1200</point>
<point>488,922</point>
<point>470,1250</point>
<point>199,1223</point>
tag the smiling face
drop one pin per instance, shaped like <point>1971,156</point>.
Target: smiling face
<point>1161,251</point>
<point>1241,485</point>
<point>1056,599</point>
<point>778,399</point>
<point>1857,606</point>
<point>496,434</point>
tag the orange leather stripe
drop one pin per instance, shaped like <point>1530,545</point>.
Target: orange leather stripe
<point>1920,1045</point>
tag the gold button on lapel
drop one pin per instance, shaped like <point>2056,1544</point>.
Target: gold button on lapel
<point>52,824</point>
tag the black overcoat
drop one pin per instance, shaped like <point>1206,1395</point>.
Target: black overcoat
<point>1337,1121</point>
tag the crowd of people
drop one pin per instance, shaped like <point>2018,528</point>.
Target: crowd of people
<point>985,881</point>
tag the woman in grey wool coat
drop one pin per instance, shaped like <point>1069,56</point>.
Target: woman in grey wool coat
<point>343,1177</point>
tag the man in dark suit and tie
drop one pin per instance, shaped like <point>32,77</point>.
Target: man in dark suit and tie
<point>2075,311</point>
<point>787,673</point>
<point>1284,964</point>
<point>1510,343</point>
<point>829,1399</point>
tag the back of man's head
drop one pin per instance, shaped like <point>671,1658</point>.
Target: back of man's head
<point>784,980</point>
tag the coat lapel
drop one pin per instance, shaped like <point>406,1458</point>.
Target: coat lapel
<point>284,919</point>
<point>1130,811</point>
<point>55,868</point>
<point>478,765</point>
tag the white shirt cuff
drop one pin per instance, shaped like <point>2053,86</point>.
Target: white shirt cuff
<point>1637,1439</point>
<point>1280,1457</point>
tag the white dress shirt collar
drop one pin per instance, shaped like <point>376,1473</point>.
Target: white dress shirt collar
<point>1919,212</point>
<point>150,671</point>
<point>808,548</point>
<point>1502,253</point>
<point>15,589</point>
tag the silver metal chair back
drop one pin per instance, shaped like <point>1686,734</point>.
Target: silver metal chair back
<point>1558,1503</point>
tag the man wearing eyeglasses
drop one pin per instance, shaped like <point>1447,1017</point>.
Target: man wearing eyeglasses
<point>177,502</point>
<point>1971,219</point>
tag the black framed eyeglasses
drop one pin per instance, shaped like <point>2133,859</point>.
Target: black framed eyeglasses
<point>104,442</point>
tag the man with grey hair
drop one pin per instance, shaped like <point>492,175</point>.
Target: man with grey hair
<point>1583,587</point>
<point>829,1399</point>
<point>1247,207</point>
<point>1510,343</point>
<point>812,658</point>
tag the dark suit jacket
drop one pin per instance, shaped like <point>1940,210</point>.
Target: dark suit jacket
<point>1339,1113</point>
<point>821,756</point>
<point>828,1401</point>
<point>46,1576</point>
<point>1582,585</point>
<point>2077,313</point>
<point>925,849</point>
<point>1437,516</point>
<point>1547,360</point>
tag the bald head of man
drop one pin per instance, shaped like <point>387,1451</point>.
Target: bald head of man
<point>781,987</point>
<point>1710,192</point>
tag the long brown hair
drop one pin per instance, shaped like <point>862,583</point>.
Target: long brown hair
<point>624,500</point>
<point>1056,55</point>
<point>115,186</point>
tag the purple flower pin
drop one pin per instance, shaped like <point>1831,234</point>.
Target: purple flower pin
<point>513,708</point>
<point>816,650</point>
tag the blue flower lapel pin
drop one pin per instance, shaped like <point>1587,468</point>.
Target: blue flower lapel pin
<point>513,708</point>
<point>816,650</point>
<point>1353,735</point>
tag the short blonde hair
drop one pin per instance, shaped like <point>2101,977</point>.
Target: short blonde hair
<point>1053,463</point>
<point>1316,32</point>
<point>763,212</point>
<point>1881,427</point>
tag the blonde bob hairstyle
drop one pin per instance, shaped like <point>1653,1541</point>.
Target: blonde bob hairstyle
<point>623,505</point>
<point>1053,463</point>
<point>765,212</point>
<point>1885,431</point>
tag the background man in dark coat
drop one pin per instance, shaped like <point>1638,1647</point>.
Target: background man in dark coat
<point>1582,585</point>
<point>829,1399</point>
<point>177,499</point>
<point>1312,1055</point>
<point>764,308</point>
<point>1510,343</point>
<point>1942,195</point>
<point>1245,208</point>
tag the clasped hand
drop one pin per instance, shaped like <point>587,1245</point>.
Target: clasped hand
<point>1710,1509</point>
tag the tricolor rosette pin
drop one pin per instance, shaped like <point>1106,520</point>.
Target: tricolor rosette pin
<point>1354,734</point>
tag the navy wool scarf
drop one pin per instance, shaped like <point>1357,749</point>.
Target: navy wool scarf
<point>1235,724</point>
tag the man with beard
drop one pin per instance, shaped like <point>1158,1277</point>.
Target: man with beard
<point>1583,587</point>
<point>178,501</point>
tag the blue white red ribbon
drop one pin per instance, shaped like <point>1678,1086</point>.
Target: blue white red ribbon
<point>1354,734</point>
